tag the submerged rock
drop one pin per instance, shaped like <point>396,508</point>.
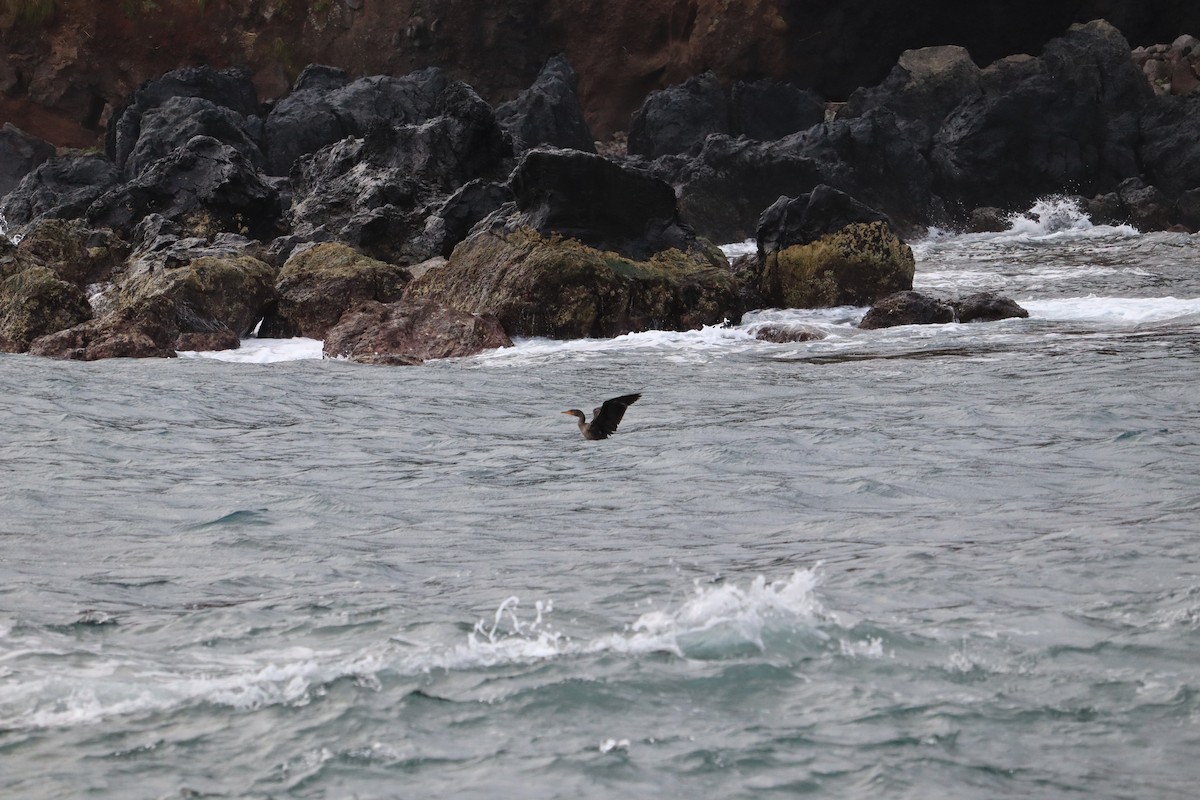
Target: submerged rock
<point>907,308</point>
<point>915,308</point>
<point>411,331</point>
<point>986,307</point>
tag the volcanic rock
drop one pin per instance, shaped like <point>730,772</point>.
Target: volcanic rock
<point>231,90</point>
<point>77,254</point>
<point>205,185</point>
<point>548,112</point>
<point>62,187</point>
<point>410,332</point>
<point>376,192</point>
<point>804,219</point>
<point>319,284</point>
<point>767,110</point>
<point>142,330</point>
<point>178,120</point>
<point>678,118</point>
<point>20,153</point>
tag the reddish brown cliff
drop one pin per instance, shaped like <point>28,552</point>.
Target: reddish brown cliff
<point>65,64</point>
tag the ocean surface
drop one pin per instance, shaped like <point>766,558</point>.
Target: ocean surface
<point>953,561</point>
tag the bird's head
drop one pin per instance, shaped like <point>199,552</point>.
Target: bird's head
<point>575,412</point>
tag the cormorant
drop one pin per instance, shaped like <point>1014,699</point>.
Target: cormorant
<point>606,418</point>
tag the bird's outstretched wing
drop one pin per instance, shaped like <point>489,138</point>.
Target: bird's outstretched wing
<point>608,416</point>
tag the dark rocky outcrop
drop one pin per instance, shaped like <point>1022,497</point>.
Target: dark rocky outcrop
<point>1068,118</point>
<point>77,254</point>
<point>178,120</point>
<point>767,110</point>
<point>548,112</point>
<point>678,118</point>
<point>804,219</point>
<point>230,90</point>
<point>205,185</point>
<point>410,332</point>
<point>62,187</point>
<point>20,153</point>
<point>143,330</point>
<point>1170,147</point>
<point>376,193</point>
<point>596,201</point>
<point>322,110</point>
<point>318,285</point>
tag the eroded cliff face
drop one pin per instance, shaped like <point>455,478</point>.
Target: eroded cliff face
<point>66,64</point>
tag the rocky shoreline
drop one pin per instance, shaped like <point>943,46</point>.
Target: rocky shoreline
<point>405,218</point>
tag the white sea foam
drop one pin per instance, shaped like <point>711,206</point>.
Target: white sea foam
<point>264,351</point>
<point>723,620</point>
<point>1123,311</point>
<point>735,249</point>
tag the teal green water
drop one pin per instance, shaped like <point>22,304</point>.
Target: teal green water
<point>958,561</point>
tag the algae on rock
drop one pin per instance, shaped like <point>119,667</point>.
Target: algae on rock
<point>853,266</point>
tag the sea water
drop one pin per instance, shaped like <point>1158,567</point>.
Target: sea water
<point>929,561</point>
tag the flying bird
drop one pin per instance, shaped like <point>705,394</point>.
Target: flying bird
<point>606,418</point>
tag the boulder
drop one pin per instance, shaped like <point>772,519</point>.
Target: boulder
<point>553,286</point>
<point>177,121</point>
<point>548,112</point>
<point>208,294</point>
<point>376,192</point>
<point>319,284</point>
<point>856,265</point>
<point>804,219</point>
<point>60,188</point>
<point>986,307</point>
<point>767,110</point>
<point>142,330</point>
<point>677,119</point>
<point>410,332</point>
<point>205,185</point>
<point>20,154</point>
<point>907,308</point>
<point>37,302</point>
<point>322,110</point>
<point>596,201</point>
<point>230,89</point>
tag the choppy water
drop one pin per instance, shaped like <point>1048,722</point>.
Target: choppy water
<point>947,561</point>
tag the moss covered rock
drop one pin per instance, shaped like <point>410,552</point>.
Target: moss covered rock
<point>853,266</point>
<point>552,286</point>
<point>37,302</point>
<point>209,293</point>
<point>78,254</point>
<point>321,283</point>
